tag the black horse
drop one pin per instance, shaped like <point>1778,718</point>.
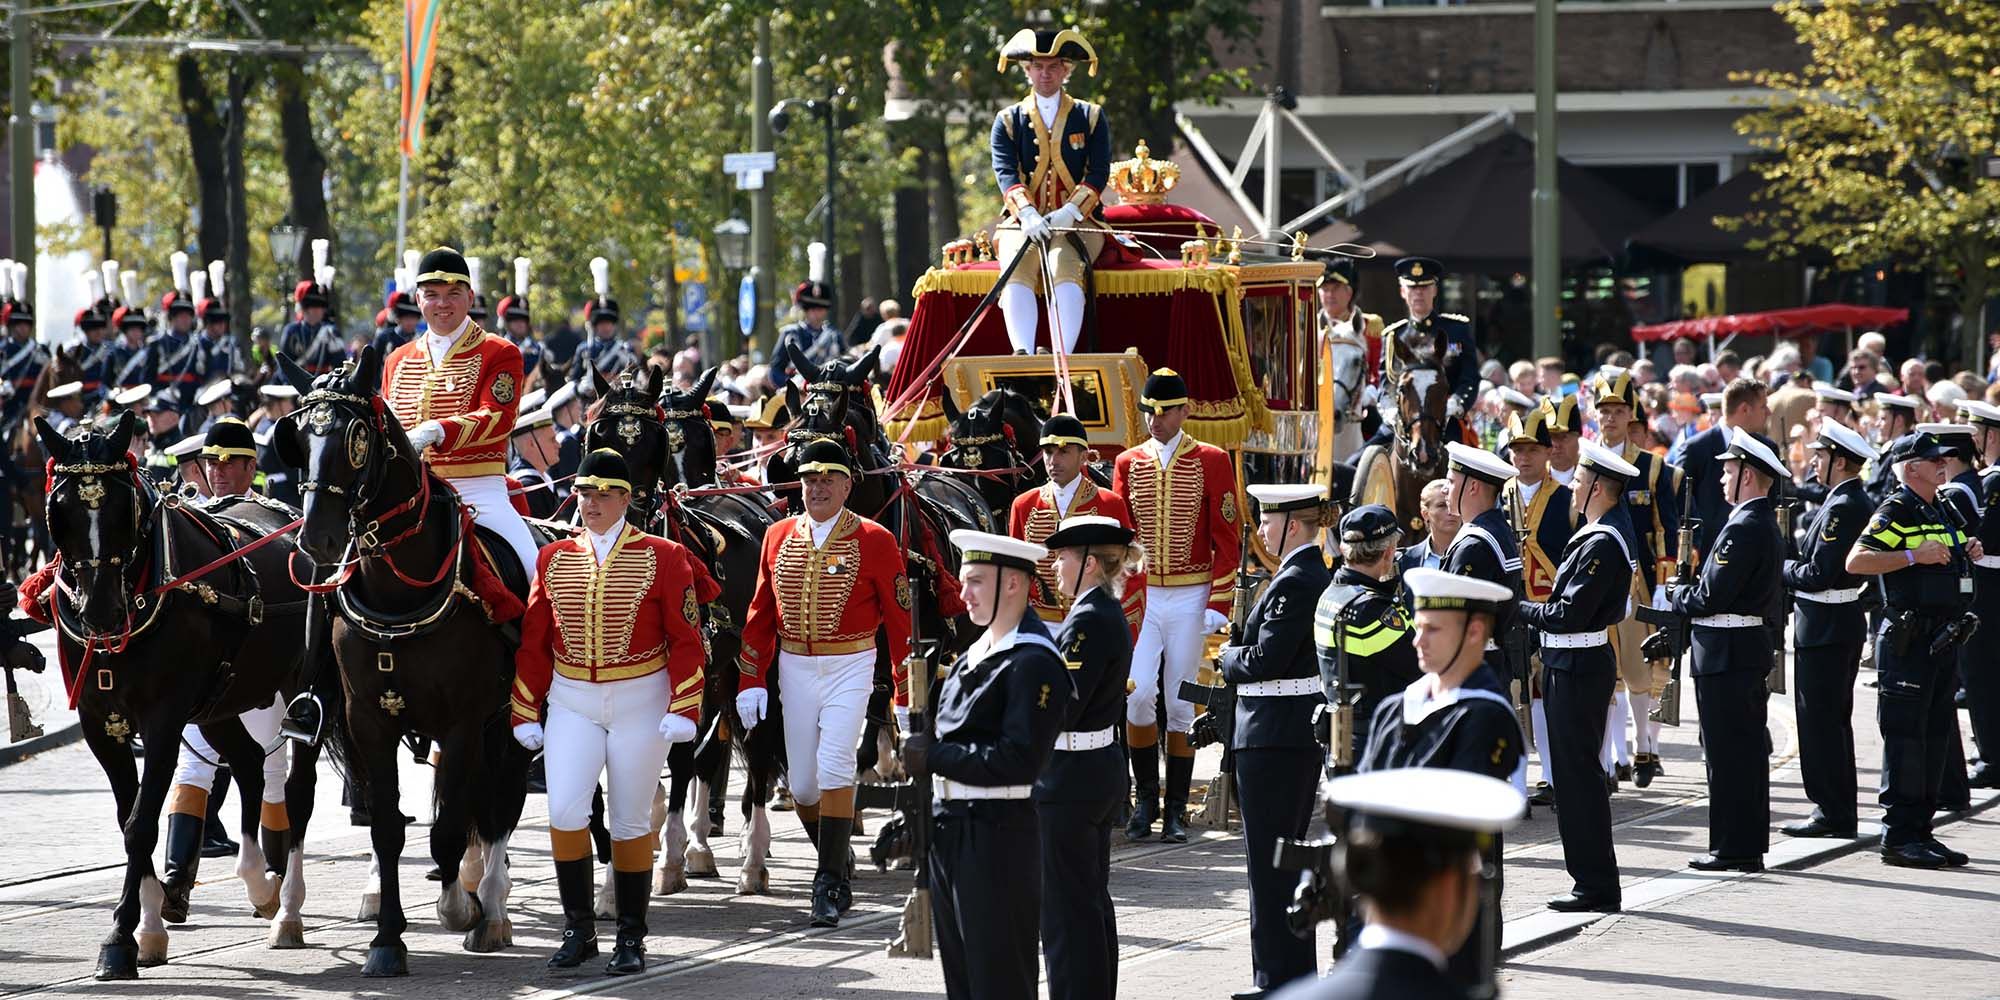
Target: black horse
<point>669,446</point>
<point>417,655</point>
<point>149,647</point>
<point>1000,435</point>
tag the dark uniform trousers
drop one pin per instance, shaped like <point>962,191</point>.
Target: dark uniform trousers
<point>1979,671</point>
<point>986,876</point>
<point>1576,685</point>
<point>1914,708</point>
<point>1823,698</point>
<point>1079,926</point>
<point>1276,787</point>
<point>1736,751</point>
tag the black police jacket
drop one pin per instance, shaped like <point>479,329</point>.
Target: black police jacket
<point>1369,617</point>
<point>1821,566</point>
<point>1740,576</point>
<point>1986,580</point>
<point>1486,549</point>
<point>1278,645</point>
<point>1097,649</point>
<point>998,715</point>
<point>1469,728</point>
<point>1593,587</point>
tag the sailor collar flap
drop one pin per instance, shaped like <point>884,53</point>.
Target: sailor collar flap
<point>1418,704</point>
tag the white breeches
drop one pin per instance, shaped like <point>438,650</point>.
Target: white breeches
<point>825,701</point>
<point>198,760</point>
<point>1170,646</point>
<point>610,729</point>
<point>487,496</point>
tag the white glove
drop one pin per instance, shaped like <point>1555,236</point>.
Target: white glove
<point>426,434</point>
<point>1033,226</point>
<point>750,706</point>
<point>529,734</point>
<point>1660,597</point>
<point>1215,621</point>
<point>1367,398</point>
<point>1065,217</point>
<point>676,728</point>
<point>1452,408</point>
<point>903,720</point>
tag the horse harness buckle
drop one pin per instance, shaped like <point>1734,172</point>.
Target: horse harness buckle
<point>254,610</point>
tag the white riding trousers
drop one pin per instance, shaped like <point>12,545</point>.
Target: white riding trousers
<point>198,761</point>
<point>825,701</point>
<point>1170,646</point>
<point>487,496</point>
<point>611,729</point>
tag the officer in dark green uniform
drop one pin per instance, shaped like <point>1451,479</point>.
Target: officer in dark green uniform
<point>1925,565</point>
<point>1361,618</point>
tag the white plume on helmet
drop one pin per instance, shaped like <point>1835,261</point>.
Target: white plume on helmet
<point>600,277</point>
<point>179,262</point>
<point>520,276</point>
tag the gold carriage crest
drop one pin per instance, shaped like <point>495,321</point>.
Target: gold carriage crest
<point>357,444</point>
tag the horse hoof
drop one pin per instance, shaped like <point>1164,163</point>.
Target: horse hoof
<point>265,903</point>
<point>489,937</point>
<point>753,882</point>
<point>701,862</point>
<point>385,961</point>
<point>118,960</point>
<point>670,879</point>
<point>371,906</point>
<point>457,916</point>
<point>152,949</point>
<point>288,934</point>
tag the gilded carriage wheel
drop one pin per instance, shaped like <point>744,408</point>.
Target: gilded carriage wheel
<point>1375,477</point>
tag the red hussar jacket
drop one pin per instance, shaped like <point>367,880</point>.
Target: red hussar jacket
<point>1186,515</point>
<point>1034,517</point>
<point>473,391</point>
<point>825,601</point>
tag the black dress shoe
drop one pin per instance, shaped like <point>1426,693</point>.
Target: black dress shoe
<point>217,845</point>
<point>1817,826</point>
<point>1610,785</point>
<point>1712,863</point>
<point>1645,770</point>
<point>578,943</point>
<point>1250,994</point>
<point>1913,856</point>
<point>1574,903</point>
<point>1623,772</point>
<point>1545,795</point>
<point>1986,775</point>
<point>1955,859</point>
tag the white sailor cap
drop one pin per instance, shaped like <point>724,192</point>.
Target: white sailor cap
<point>562,396</point>
<point>132,395</point>
<point>1833,394</point>
<point>740,414</point>
<point>1711,400</point>
<point>1478,463</point>
<point>1744,446</point>
<point>1516,398</point>
<point>534,399</point>
<point>531,419</point>
<point>188,449</point>
<point>976,547</point>
<point>65,390</point>
<point>1603,461</point>
<point>1980,412</point>
<point>1275,499</point>
<point>1892,399</point>
<point>1833,434</point>
<point>212,392</point>
<point>277,390</point>
<point>1436,590</point>
<point>1440,805</point>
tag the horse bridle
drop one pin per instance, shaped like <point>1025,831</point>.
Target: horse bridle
<point>367,480</point>
<point>1360,379</point>
<point>644,496</point>
<point>91,492</point>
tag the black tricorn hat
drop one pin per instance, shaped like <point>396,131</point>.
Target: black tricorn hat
<point>1046,43</point>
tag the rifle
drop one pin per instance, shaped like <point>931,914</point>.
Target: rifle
<point>1784,501</point>
<point>1671,641</point>
<point>1514,641</point>
<point>13,645</point>
<point>1218,724</point>
<point>914,938</point>
<point>1333,722</point>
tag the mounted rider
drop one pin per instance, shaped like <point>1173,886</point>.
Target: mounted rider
<point>313,339</point>
<point>1444,338</point>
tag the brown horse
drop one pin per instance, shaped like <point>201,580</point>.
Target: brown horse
<point>1396,476</point>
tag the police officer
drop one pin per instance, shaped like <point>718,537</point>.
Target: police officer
<point>1278,759</point>
<point>1411,840</point>
<point>1729,605</point>
<point>1450,717</point>
<point>1079,793</point>
<point>1579,669</point>
<point>999,710</point>
<point>1449,336</point>
<point>1924,562</point>
<point>1361,619</point>
<point>1827,632</point>
<point>1976,672</point>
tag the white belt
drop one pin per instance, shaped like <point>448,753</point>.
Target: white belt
<point>1290,686</point>
<point>949,789</point>
<point>1096,739</point>
<point>1730,621</point>
<point>1987,562</point>
<point>1573,640</point>
<point>1847,595</point>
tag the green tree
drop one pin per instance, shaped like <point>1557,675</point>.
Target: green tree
<point>1878,141</point>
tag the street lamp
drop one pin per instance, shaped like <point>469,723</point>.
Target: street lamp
<point>286,242</point>
<point>826,111</point>
<point>732,244</point>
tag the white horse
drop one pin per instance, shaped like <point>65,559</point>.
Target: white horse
<point>1351,392</point>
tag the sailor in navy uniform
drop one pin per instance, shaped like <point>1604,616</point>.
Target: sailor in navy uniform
<point>1744,406</point>
<point>1591,593</point>
<point>1737,589</point>
<point>1896,415</point>
<point>1485,548</point>
<point>1274,667</point>
<point>1977,671</point>
<point>532,449</point>
<point>1448,336</point>
<point>1080,791</point>
<point>1827,632</point>
<point>999,711</point>
<point>1411,843</point>
<point>1449,717</point>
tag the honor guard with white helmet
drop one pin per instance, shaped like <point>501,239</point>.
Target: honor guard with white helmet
<point>1068,493</point>
<point>1273,667</point>
<point>129,328</point>
<point>312,338</point>
<point>1828,629</point>
<point>516,323</point>
<point>999,711</point>
<point>1051,159</point>
<point>605,349</point>
<point>1182,494</point>
<point>1450,717</point>
<point>1731,605</point>
<point>1093,559</point>
<point>25,357</point>
<point>1592,589</point>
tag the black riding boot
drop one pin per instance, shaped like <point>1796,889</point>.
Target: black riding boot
<point>1145,790</point>
<point>215,842</point>
<point>574,883</point>
<point>1173,823</point>
<point>183,862</point>
<point>634,890</point>
<point>832,894</point>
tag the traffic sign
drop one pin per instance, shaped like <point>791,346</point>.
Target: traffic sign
<point>694,306</point>
<point>746,303</point>
<point>749,168</point>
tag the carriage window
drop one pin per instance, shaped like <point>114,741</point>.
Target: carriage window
<point>1279,358</point>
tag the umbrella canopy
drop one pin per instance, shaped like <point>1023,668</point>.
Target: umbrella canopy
<point>1800,322</point>
<point>1690,235</point>
<point>1474,212</point>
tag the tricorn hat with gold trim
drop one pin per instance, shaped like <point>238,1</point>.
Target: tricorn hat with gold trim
<point>1049,43</point>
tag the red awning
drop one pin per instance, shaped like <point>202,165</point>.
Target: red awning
<point>1800,322</point>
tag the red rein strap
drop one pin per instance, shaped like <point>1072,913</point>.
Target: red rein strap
<point>227,558</point>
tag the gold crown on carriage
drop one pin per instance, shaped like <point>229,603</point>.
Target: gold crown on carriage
<point>1143,180</point>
